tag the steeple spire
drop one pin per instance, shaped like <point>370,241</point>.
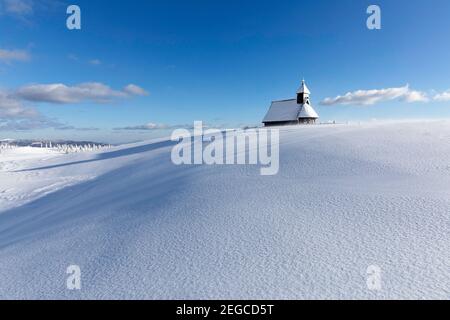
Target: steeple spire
<point>303,88</point>
<point>303,93</point>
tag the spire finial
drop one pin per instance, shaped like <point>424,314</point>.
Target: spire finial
<point>303,88</point>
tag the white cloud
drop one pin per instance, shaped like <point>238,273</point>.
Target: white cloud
<point>17,116</point>
<point>72,57</point>
<point>441,97</point>
<point>415,96</point>
<point>156,126</point>
<point>12,108</point>
<point>92,62</point>
<point>17,7</point>
<point>28,124</point>
<point>16,113</point>
<point>95,62</point>
<point>146,127</point>
<point>135,90</point>
<point>371,97</point>
<point>69,127</point>
<point>14,55</point>
<point>63,94</point>
<point>24,10</point>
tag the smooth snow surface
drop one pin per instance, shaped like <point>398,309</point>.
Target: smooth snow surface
<point>346,197</point>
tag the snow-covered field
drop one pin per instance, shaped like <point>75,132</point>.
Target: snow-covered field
<point>347,197</point>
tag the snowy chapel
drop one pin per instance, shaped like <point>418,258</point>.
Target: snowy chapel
<point>292,111</point>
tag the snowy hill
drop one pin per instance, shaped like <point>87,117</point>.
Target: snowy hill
<point>346,197</point>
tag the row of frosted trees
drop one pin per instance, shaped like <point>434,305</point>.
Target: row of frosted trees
<point>62,148</point>
<point>6,146</point>
<point>75,148</point>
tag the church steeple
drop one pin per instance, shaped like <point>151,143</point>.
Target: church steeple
<point>292,111</point>
<point>303,94</point>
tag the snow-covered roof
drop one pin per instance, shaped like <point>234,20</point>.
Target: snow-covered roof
<point>308,112</point>
<point>286,110</point>
<point>289,110</point>
<point>303,88</point>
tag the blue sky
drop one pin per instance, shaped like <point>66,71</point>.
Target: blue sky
<point>221,62</point>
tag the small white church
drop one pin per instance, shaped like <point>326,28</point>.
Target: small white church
<point>292,111</point>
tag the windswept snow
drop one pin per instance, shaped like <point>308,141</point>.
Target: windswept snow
<point>346,197</point>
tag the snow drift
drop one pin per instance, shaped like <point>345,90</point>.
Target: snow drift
<point>346,197</point>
